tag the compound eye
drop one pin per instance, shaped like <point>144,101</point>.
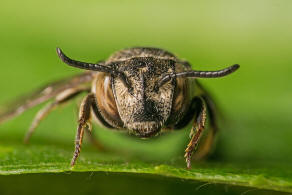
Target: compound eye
<point>106,101</point>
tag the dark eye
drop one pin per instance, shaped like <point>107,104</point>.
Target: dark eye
<point>105,100</point>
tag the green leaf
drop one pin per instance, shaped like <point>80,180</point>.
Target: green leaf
<point>45,158</point>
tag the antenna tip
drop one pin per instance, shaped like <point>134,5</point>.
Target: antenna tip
<point>59,51</point>
<point>235,66</point>
<point>61,55</point>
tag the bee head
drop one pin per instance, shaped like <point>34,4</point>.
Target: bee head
<point>144,107</point>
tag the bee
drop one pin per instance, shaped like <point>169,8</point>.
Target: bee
<point>139,90</point>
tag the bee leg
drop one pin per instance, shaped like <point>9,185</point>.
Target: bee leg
<point>60,99</point>
<point>83,123</point>
<point>197,129</point>
<point>208,142</point>
<point>91,137</point>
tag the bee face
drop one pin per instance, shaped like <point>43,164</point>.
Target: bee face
<point>144,109</point>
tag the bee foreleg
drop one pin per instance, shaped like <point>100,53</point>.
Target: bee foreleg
<point>197,129</point>
<point>61,98</point>
<point>208,142</point>
<point>90,134</point>
<point>208,139</point>
<point>83,123</point>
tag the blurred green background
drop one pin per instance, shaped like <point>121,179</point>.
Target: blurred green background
<point>256,100</point>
